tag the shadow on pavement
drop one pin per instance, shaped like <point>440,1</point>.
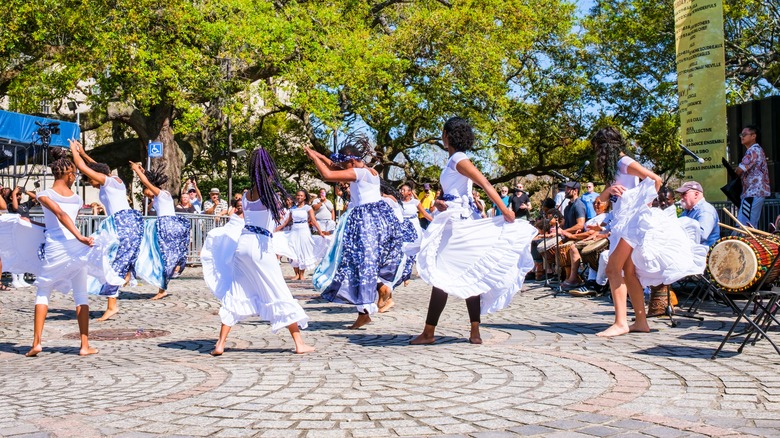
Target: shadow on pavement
<point>571,328</point>
<point>393,340</point>
<point>685,351</point>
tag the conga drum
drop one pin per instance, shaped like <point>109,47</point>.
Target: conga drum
<point>548,248</point>
<point>590,254</point>
<point>562,251</point>
<point>739,263</point>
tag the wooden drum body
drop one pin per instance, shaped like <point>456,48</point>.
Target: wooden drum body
<point>739,263</point>
<point>590,254</point>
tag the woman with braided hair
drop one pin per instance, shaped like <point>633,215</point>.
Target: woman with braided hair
<point>169,234</point>
<point>123,223</point>
<point>361,264</point>
<point>60,264</point>
<point>240,265</point>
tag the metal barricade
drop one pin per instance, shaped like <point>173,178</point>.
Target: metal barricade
<point>200,225</point>
<point>769,213</point>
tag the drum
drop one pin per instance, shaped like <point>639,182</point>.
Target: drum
<point>659,300</point>
<point>738,263</point>
<point>590,254</point>
<point>562,251</point>
<point>547,247</point>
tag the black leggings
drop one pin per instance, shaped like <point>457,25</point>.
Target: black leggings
<point>439,300</point>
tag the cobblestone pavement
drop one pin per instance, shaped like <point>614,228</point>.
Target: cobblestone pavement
<point>541,371</point>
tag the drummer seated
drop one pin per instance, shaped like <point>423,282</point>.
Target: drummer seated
<point>582,238</point>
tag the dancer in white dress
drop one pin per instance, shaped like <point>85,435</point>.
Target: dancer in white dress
<point>240,266</point>
<point>623,174</point>
<point>63,253</point>
<point>300,217</point>
<point>165,246</point>
<point>123,223</point>
<point>483,261</point>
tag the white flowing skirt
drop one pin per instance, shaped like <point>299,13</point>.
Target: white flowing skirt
<point>300,241</point>
<point>243,272</point>
<point>466,257</point>
<point>20,241</point>
<point>663,251</point>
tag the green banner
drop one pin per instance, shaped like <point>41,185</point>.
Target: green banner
<point>701,82</point>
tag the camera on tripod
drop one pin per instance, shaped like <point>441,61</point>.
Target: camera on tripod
<point>48,129</point>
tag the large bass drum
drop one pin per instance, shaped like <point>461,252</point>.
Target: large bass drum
<point>739,263</point>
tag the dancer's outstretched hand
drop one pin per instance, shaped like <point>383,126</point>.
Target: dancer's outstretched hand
<point>89,241</point>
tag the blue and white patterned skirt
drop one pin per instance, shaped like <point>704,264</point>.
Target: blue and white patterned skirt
<point>366,251</point>
<point>173,233</point>
<point>128,228</point>
<point>409,234</point>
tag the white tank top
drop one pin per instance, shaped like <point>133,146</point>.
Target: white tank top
<point>622,177</point>
<point>163,204</point>
<point>70,205</point>
<point>410,208</point>
<point>454,183</point>
<point>113,196</point>
<point>256,215</point>
<point>365,189</point>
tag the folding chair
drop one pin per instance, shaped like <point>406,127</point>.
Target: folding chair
<point>759,323</point>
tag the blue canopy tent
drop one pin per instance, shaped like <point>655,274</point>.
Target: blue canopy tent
<point>23,139</point>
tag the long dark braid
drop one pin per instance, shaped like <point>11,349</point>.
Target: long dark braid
<point>608,143</point>
<point>265,178</point>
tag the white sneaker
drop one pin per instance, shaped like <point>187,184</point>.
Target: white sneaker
<point>18,281</point>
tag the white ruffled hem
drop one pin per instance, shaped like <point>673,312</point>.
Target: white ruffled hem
<point>279,313</point>
<point>19,244</point>
<point>488,257</point>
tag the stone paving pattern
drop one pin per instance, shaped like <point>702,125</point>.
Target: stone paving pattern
<point>541,371</point>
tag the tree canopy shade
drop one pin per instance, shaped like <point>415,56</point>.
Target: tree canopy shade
<point>288,72</point>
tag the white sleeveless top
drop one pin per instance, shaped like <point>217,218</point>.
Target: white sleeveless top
<point>410,208</point>
<point>257,215</point>
<point>622,177</point>
<point>113,196</point>
<point>454,183</point>
<point>365,189</point>
<point>163,204</point>
<point>300,216</point>
<point>70,205</point>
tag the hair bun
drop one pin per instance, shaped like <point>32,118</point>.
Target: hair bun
<point>57,153</point>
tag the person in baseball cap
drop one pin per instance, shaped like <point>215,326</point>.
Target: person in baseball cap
<point>696,207</point>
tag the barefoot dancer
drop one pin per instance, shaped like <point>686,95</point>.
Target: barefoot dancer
<point>172,232</point>
<point>483,261</point>
<point>361,264</point>
<point>299,238</point>
<point>623,173</point>
<point>240,265</point>
<point>63,253</point>
<point>127,224</point>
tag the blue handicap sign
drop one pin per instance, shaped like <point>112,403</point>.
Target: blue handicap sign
<point>155,149</point>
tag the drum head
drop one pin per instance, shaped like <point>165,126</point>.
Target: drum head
<point>595,246</point>
<point>733,264</point>
<point>546,244</point>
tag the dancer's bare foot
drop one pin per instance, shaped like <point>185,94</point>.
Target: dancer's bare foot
<point>108,314</point>
<point>218,349</point>
<point>474,336</point>
<point>387,305</point>
<point>34,351</point>
<point>423,339</point>
<point>614,330</point>
<point>88,351</point>
<point>161,294</point>
<point>362,319</point>
<point>639,328</point>
<point>303,349</point>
